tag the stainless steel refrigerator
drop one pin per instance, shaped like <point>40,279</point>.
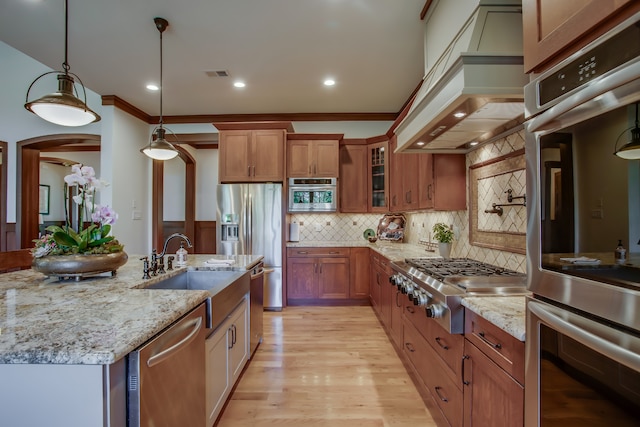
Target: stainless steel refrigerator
<point>249,222</point>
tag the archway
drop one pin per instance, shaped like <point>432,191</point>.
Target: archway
<point>28,181</point>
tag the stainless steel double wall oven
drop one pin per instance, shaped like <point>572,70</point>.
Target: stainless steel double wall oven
<point>583,321</point>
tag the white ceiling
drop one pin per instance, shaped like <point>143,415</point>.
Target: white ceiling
<point>282,49</point>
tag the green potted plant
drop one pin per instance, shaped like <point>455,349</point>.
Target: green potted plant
<point>444,235</point>
<point>83,248</point>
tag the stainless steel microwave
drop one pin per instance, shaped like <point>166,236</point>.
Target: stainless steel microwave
<point>313,194</point>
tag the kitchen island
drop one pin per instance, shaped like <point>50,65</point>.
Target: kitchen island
<point>63,343</point>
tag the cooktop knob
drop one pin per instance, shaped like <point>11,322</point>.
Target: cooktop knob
<point>435,311</point>
<point>421,299</point>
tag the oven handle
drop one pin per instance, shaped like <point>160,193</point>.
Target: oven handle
<point>592,334</point>
<point>607,83</point>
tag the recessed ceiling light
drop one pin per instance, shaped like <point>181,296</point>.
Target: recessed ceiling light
<point>239,84</point>
<point>472,143</point>
<point>459,114</point>
<point>420,143</point>
<point>153,87</point>
<point>329,82</point>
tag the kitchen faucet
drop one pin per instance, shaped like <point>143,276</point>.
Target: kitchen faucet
<point>157,260</point>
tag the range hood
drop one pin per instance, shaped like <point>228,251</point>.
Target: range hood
<point>475,89</point>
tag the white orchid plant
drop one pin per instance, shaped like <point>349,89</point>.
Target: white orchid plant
<point>80,238</point>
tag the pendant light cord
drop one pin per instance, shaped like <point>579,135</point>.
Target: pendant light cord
<point>65,64</point>
<point>161,85</point>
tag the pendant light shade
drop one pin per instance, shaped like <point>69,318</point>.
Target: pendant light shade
<point>63,107</point>
<point>159,148</point>
<point>630,150</point>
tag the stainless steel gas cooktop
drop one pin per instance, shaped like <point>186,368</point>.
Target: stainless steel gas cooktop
<point>439,284</point>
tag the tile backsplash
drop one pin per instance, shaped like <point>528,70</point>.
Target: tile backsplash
<point>350,227</point>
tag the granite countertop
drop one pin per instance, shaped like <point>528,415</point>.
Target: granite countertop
<point>392,250</point>
<point>96,320</point>
<point>506,312</point>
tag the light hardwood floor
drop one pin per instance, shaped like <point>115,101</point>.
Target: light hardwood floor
<point>325,366</point>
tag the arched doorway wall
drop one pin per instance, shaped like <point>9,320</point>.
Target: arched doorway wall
<point>28,174</point>
<point>159,229</point>
<point>3,195</point>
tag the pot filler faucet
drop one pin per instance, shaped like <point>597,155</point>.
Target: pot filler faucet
<point>157,260</point>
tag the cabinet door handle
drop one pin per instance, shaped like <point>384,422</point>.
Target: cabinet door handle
<point>410,309</point>
<point>235,334</point>
<point>309,169</point>
<point>254,170</point>
<point>249,170</point>
<point>440,396</point>
<point>429,191</point>
<point>398,302</point>
<point>315,268</point>
<point>464,381</point>
<point>440,343</point>
<point>320,268</point>
<point>410,347</point>
<point>497,346</point>
<point>230,336</point>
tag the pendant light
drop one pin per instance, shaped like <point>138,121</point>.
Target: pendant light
<point>63,107</point>
<point>159,148</point>
<point>631,150</point>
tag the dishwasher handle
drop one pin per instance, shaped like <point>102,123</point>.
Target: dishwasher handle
<point>165,354</point>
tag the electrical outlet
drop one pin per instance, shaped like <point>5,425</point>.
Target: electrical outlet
<point>136,215</point>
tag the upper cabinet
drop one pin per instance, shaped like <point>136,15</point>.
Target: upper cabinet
<point>555,29</point>
<point>378,177</point>
<point>353,178</point>
<point>312,157</point>
<point>251,155</point>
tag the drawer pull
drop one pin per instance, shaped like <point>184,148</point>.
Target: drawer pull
<point>497,346</point>
<point>440,396</point>
<point>410,347</point>
<point>303,252</point>
<point>464,357</point>
<point>334,252</point>
<point>440,343</point>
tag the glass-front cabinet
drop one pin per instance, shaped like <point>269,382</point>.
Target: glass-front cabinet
<point>379,176</point>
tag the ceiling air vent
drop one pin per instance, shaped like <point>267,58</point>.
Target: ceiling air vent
<point>217,73</point>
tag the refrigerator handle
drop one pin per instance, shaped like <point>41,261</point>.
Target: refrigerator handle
<point>249,243</point>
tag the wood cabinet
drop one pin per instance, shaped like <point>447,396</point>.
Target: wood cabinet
<point>380,288</point>
<point>493,375</point>
<point>359,273</point>
<point>317,274</point>
<point>432,371</point>
<point>378,177</point>
<point>227,352</point>
<point>354,178</point>
<point>251,155</point>
<point>312,158</point>
<point>427,181</point>
<point>426,197</point>
<point>555,29</point>
<point>443,182</point>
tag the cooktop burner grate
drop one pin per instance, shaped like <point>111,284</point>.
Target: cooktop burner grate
<point>441,268</point>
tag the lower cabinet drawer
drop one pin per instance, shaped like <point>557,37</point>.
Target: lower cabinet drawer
<point>449,347</point>
<point>432,371</point>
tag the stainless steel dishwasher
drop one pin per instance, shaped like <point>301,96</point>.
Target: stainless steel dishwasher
<point>166,381</point>
<point>256,303</point>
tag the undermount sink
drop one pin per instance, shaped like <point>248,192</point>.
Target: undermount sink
<point>199,280</point>
<point>223,287</point>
